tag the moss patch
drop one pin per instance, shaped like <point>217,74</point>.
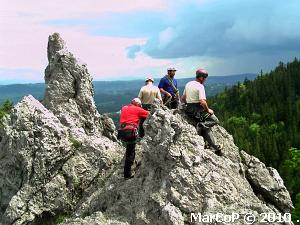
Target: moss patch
<point>75,143</point>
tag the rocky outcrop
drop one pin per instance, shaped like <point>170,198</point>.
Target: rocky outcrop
<point>69,92</point>
<point>45,166</point>
<point>266,182</point>
<point>56,168</point>
<point>49,155</point>
<point>177,177</point>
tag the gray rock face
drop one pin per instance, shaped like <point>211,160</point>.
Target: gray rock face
<point>57,168</point>
<point>49,156</point>
<point>268,184</point>
<point>45,166</point>
<point>176,177</point>
<point>69,92</point>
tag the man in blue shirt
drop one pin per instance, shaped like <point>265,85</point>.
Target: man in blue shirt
<point>168,87</point>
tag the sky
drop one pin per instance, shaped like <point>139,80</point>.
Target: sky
<point>133,39</point>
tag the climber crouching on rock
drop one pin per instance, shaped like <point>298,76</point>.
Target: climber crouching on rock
<point>197,108</point>
<point>128,131</point>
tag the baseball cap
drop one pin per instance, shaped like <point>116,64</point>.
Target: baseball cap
<point>149,78</point>
<point>137,100</point>
<point>201,72</point>
<point>172,69</point>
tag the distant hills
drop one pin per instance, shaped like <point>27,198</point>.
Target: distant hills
<point>111,95</point>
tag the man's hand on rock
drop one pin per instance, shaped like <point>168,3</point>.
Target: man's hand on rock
<point>210,111</point>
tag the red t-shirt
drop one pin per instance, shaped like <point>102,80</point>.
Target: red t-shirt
<point>132,114</point>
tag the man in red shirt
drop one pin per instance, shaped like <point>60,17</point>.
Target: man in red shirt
<point>129,121</point>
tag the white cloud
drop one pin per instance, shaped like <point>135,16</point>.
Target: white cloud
<point>165,37</point>
<point>190,31</point>
<point>57,9</point>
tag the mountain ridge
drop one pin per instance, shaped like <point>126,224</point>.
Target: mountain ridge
<point>16,91</point>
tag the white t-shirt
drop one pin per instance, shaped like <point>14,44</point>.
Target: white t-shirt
<point>148,93</point>
<point>194,92</point>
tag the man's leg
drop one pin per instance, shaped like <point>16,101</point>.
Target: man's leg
<point>142,120</point>
<point>210,121</point>
<point>207,134</point>
<point>167,101</point>
<point>174,103</point>
<point>141,128</point>
<point>129,158</point>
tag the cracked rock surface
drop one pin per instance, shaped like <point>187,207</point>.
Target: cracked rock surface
<point>60,163</point>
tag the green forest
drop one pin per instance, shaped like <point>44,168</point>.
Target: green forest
<point>5,108</point>
<point>263,116</point>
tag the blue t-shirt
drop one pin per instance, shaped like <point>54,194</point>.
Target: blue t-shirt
<point>164,83</point>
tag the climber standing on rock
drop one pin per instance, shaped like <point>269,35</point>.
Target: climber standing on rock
<point>168,87</point>
<point>148,94</point>
<point>128,131</point>
<point>197,108</point>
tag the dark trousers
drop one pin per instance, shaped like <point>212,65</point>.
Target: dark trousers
<point>204,120</point>
<point>141,128</point>
<point>171,103</point>
<point>147,107</point>
<point>129,159</point>
<point>206,130</point>
<point>142,120</point>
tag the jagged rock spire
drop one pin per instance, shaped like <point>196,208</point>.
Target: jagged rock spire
<point>69,91</point>
<point>55,44</point>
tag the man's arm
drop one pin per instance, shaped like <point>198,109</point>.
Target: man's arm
<point>165,92</point>
<point>177,93</point>
<point>158,95</point>
<point>183,97</point>
<point>140,96</point>
<point>203,103</point>
<point>202,99</point>
<point>143,113</point>
<point>161,87</point>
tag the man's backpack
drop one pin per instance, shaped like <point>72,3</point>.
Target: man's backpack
<point>127,133</point>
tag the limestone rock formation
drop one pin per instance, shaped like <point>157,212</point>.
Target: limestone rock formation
<point>60,164</point>
<point>49,155</point>
<point>45,168</point>
<point>69,92</point>
<point>177,177</point>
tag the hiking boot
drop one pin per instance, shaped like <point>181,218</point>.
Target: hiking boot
<point>219,150</point>
<point>127,178</point>
<point>138,139</point>
<point>206,145</point>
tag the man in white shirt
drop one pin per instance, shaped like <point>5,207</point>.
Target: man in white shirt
<point>197,108</point>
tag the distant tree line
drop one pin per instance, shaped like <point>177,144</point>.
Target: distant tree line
<point>5,108</point>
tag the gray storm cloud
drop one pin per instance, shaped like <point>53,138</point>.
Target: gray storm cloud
<point>228,28</point>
